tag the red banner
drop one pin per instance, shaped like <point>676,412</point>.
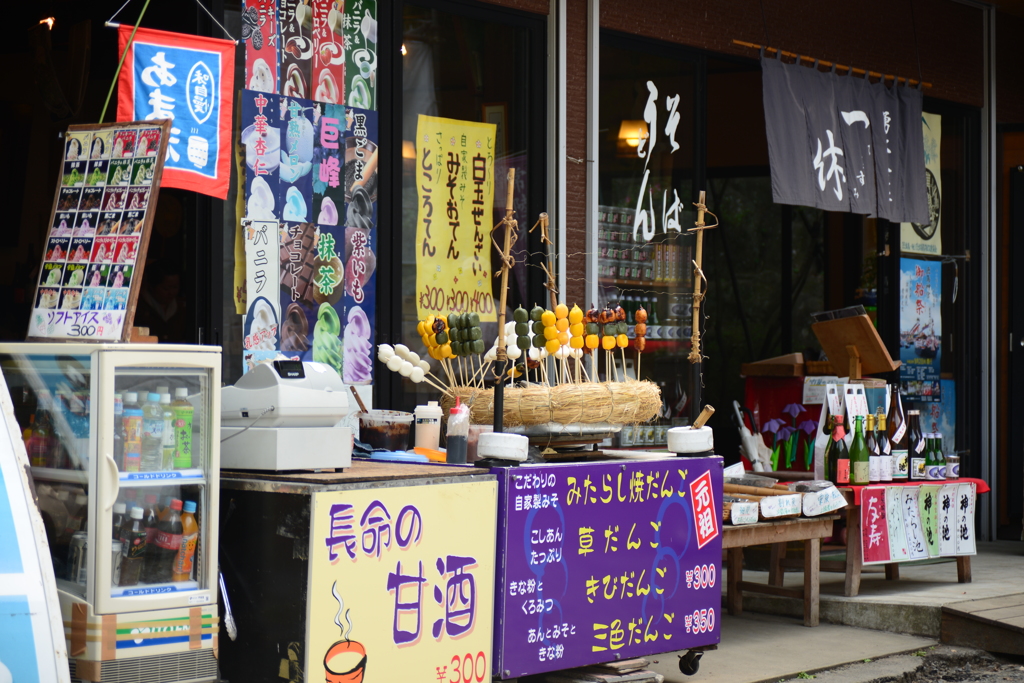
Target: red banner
<point>190,80</point>
<point>874,525</point>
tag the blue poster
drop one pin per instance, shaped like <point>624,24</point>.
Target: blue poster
<point>920,327</point>
<point>190,80</point>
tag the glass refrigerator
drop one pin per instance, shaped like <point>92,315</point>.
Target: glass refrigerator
<point>110,428</point>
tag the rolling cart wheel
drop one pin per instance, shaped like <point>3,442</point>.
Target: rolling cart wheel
<point>689,663</point>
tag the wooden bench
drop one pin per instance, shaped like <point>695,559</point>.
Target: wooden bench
<point>810,530</point>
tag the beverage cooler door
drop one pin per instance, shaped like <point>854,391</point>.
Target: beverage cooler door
<point>158,452</point>
<point>51,389</point>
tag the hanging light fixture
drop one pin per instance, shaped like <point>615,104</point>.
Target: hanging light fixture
<point>632,132</point>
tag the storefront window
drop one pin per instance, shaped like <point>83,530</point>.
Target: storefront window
<point>478,65</point>
<point>646,186</point>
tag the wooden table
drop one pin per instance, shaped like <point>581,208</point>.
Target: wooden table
<point>810,530</point>
<point>855,554</point>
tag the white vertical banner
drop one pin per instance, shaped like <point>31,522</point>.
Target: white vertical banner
<point>912,523</point>
<point>262,283</point>
<point>899,548</point>
<point>964,511</point>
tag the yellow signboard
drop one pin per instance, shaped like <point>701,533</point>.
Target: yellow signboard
<point>455,194</point>
<point>402,584</point>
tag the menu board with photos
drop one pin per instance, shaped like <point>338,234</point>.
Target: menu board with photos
<point>95,249</point>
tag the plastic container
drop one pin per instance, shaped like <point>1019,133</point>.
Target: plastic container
<point>428,425</point>
<point>385,429</point>
<point>503,446</point>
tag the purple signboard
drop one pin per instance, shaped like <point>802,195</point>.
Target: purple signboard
<point>606,561</point>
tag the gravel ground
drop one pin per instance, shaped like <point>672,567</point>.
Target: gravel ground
<point>936,664</point>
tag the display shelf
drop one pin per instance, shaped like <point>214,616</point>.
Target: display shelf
<point>161,478</point>
<point>637,283</point>
<point>63,476</point>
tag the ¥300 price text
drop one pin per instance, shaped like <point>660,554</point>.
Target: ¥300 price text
<point>466,669</point>
<point>458,301</point>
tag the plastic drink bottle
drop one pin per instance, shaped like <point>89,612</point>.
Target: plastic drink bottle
<point>183,413</point>
<point>166,509</point>
<point>160,556</point>
<point>152,433</point>
<point>132,420</point>
<point>167,455</point>
<point>149,518</point>
<point>133,548</point>
<point>185,558</point>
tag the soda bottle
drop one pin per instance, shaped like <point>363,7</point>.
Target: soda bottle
<point>119,431</point>
<point>183,413</point>
<point>167,455</point>
<point>118,520</point>
<point>133,548</point>
<point>839,452</point>
<point>152,433</point>
<point>150,519</point>
<point>184,560</point>
<point>132,420</point>
<point>160,556</point>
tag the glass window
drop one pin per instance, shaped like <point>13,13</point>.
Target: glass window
<point>479,65</point>
<point>646,186</point>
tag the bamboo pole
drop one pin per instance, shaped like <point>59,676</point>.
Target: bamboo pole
<point>733,489</point>
<point>506,256</point>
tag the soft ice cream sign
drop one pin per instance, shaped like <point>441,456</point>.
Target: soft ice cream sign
<point>189,80</point>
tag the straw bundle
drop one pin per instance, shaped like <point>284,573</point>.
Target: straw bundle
<point>627,402</point>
